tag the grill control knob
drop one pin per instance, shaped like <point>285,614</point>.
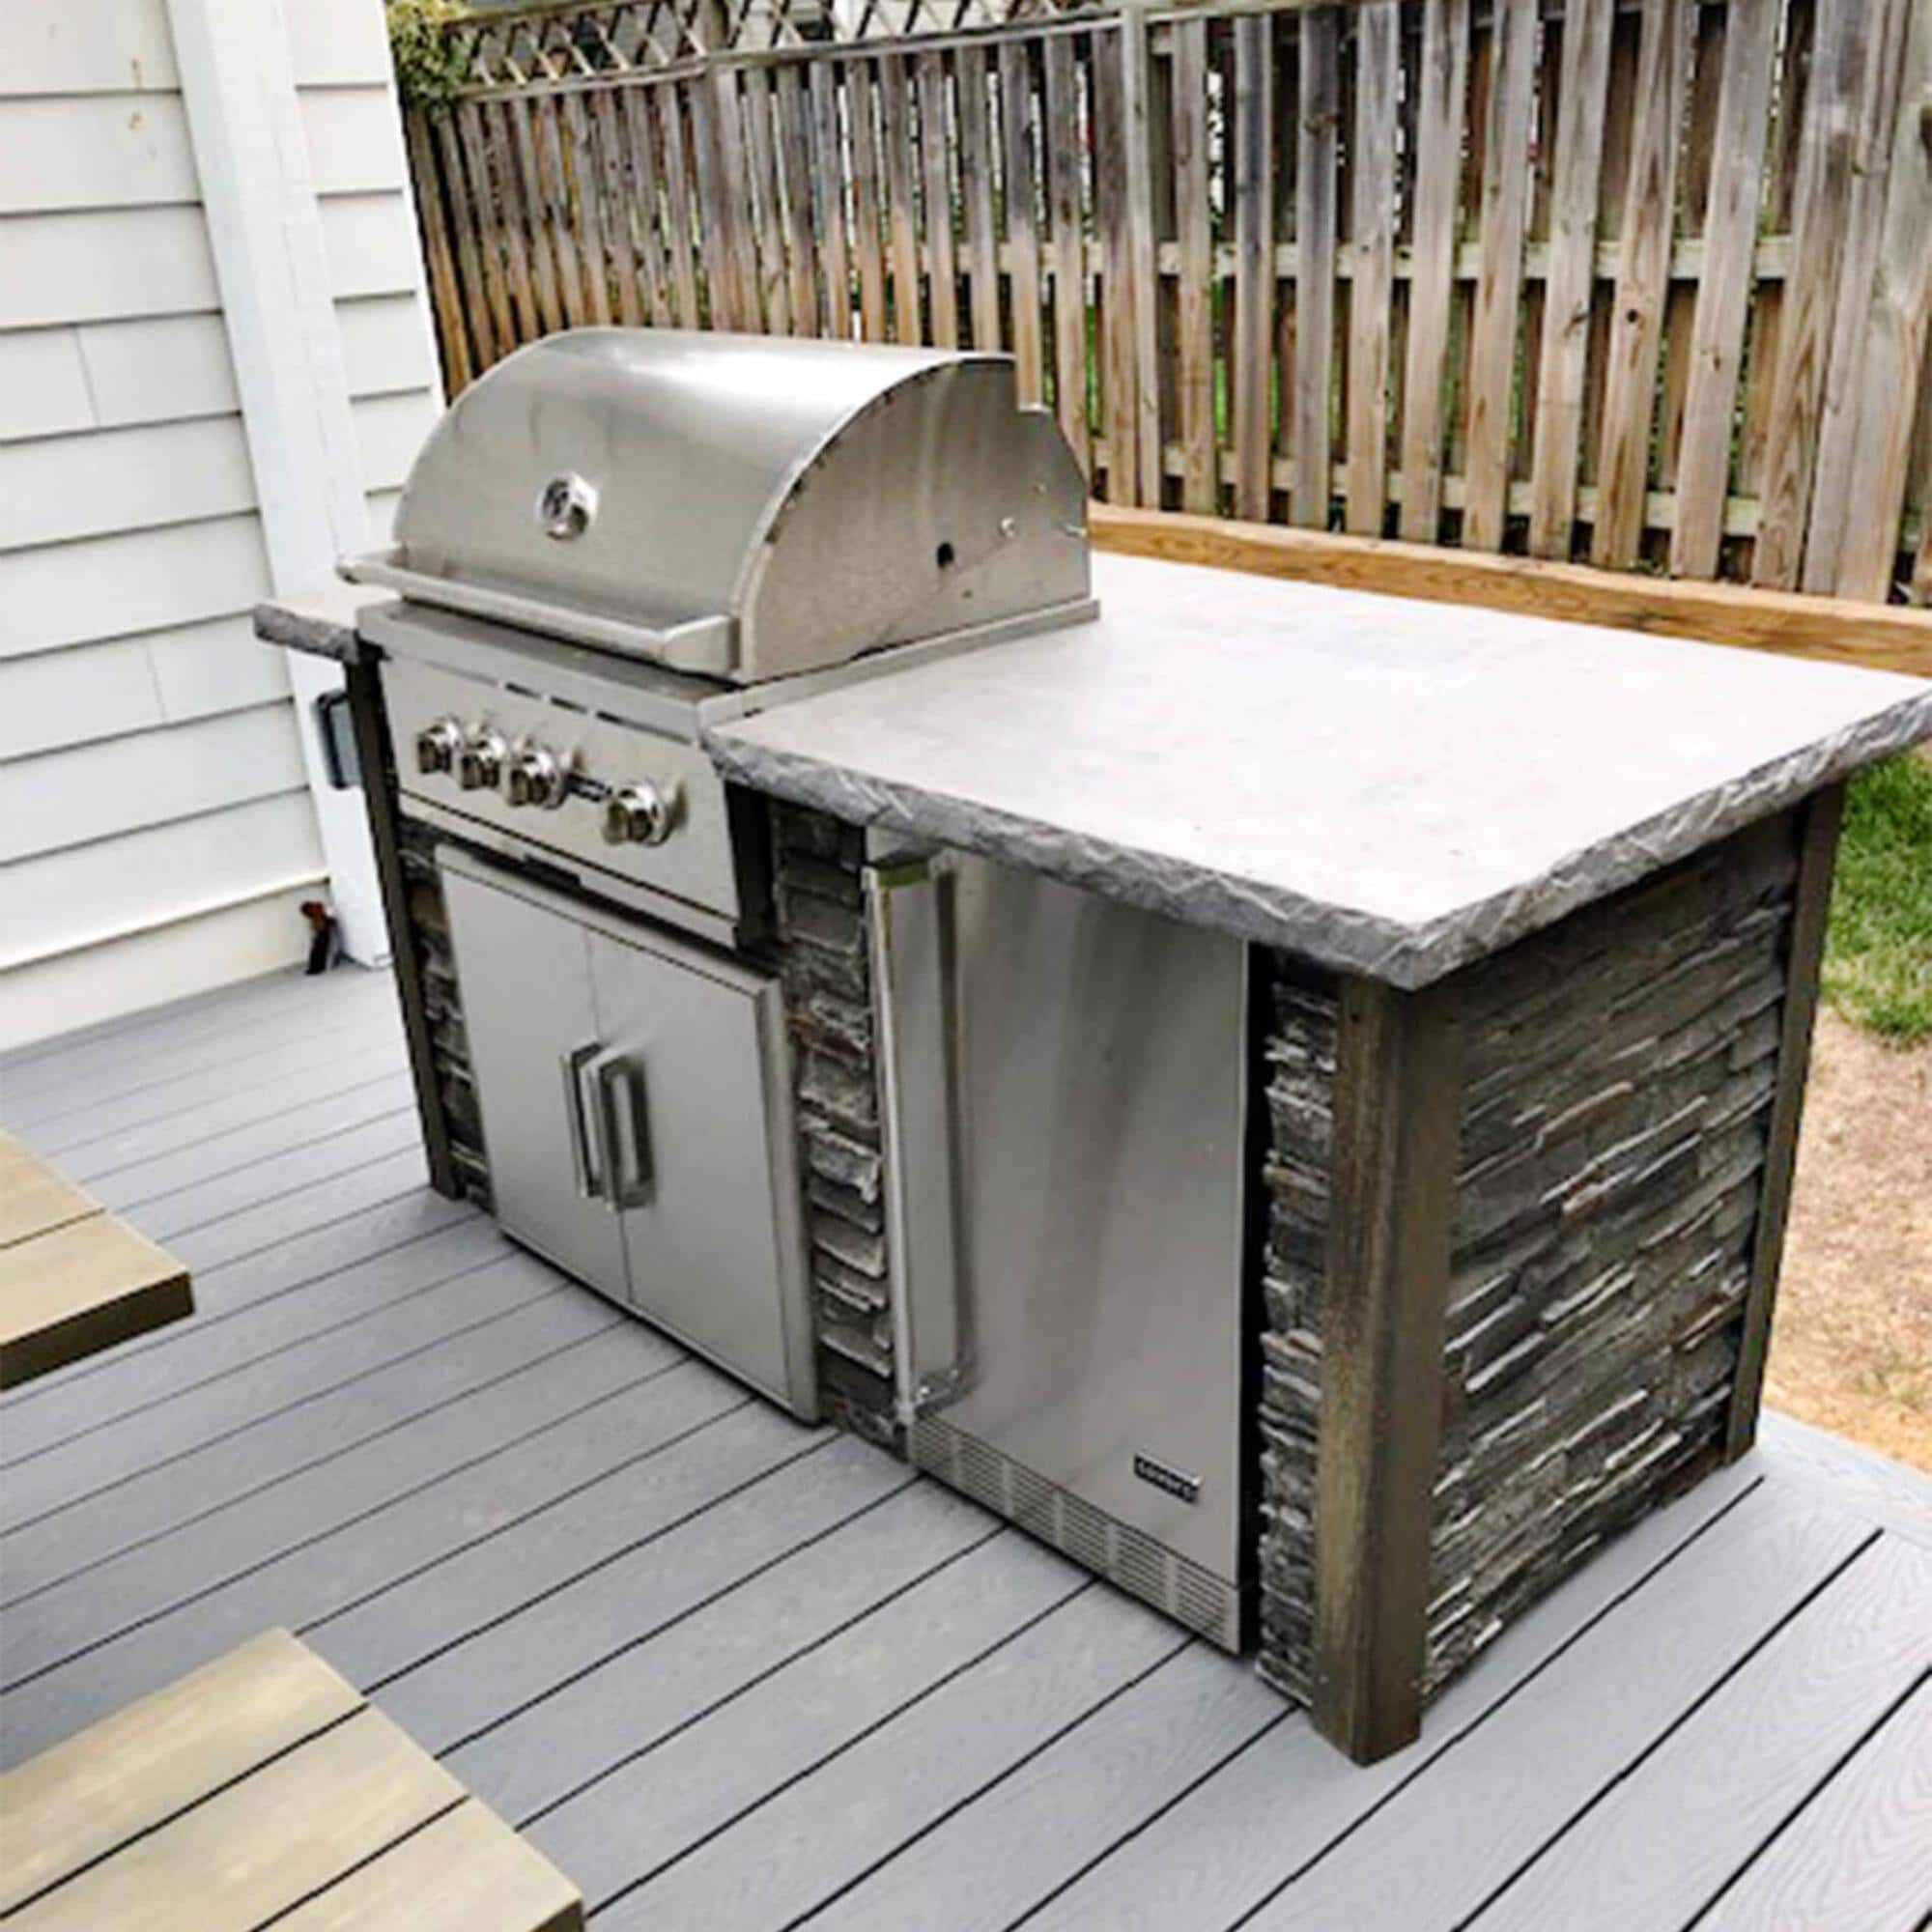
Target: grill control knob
<point>639,814</point>
<point>438,746</point>
<point>479,765</point>
<point>536,775</point>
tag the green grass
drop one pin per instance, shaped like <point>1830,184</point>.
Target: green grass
<point>1878,949</point>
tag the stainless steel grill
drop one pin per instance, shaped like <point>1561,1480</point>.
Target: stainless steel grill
<point>615,539</point>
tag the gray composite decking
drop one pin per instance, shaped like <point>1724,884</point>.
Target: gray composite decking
<point>731,1672</point>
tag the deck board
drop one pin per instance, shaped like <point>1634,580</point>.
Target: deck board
<point>1860,1853</point>
<point>1657,1849</point>
<point>137,1183</point>
<point>296,1385</point>
<point>729,1671</point>
<point>521,1316</point>
<point>135,1377</point>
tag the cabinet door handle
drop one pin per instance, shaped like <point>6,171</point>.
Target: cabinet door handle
<point>589,1170</point>
<point>625,1129</point>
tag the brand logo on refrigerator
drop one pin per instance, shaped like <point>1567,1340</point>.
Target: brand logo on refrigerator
<point>1165,1476</point>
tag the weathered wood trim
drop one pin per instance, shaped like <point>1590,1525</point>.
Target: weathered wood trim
<point>1398,1091</point>
<point>1881,637</point>
<point>368,719</point>
<point>1818,850</point>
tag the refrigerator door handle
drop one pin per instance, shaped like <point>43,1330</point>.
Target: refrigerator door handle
<point>909,902</point>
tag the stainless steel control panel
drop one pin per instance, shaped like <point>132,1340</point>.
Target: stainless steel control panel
<point>606,796</point>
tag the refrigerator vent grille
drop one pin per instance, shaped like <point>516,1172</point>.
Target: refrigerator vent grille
<point>1097,1540</point>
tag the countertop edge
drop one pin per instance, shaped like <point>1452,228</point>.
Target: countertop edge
<point>319,623</point>
<point>1345,939</point>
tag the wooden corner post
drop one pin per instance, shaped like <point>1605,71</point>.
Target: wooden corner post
<point>1398,1090</point>
<point>1818,822</point>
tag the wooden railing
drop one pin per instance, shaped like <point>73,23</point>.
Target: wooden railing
<point>1640,284</point>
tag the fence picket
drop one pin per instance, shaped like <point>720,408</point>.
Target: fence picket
<point>1663,62</point>
<point>488,205</point>
<point>1199,453</point>
<point>974,101</point>
<point>1137,187</point>
<point>1569,287</point>
<point>1724,289</point>
<point>1499,281</point>
<point>828,166</point>
<point>618,207</point>
<point>1251,381</point>
<point>501,142</point>
<point>586,203</point>
<point>901,204</point>
<point>480,310</point>
<point>1371,291</point>
<point>1821,213</point>
<point>1020,173</point>
<point>1315,213</point>
<point>445,298</point>
<point>1898,341</point>
<point>668,112</point>
<point>1067,240</point>
<point>935,160</point>
<point>761,165</point>
<point>647,208</point>
<point>1119,387</point>
<point>1444,78</point>
<point>866,191</point>
<point>1872,171</point>
<point>522,131</point>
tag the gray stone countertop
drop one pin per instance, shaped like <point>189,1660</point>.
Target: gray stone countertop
<point>320,622</point>
<point>1384,785</point>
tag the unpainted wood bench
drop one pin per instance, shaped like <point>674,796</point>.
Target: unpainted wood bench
<point>72,1277</point>
<point>261,1788</point>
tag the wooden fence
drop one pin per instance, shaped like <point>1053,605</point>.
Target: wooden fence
<point>1640,284</point>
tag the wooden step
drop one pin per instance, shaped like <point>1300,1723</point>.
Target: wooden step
<point>261,1788</point>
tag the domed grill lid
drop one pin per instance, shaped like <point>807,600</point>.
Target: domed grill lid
<point>741,506</point>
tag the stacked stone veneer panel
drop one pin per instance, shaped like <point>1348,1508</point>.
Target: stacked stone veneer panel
<point>434,962</point>
<point>824,964</point>
<point>1618,1074</point>
<point>1301,1072</point>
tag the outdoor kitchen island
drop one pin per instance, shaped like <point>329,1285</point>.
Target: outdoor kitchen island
<point>1287,1094</point>
<point>1533,914</point>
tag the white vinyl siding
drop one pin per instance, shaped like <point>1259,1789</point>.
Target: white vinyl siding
<point>121,150</point>
<point>156,829</point>
<point>244,852</point>
<point>105,690</point>
<point>355,143</point>
<point>85,47</point>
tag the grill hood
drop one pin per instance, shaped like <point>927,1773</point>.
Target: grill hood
<point>741,506</point>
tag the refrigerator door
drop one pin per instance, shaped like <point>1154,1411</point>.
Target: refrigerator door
<point>1097,1085</point>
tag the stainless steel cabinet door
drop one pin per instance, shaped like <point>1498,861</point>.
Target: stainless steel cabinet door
<point>532,1030</point>
<point>694,1099</point>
